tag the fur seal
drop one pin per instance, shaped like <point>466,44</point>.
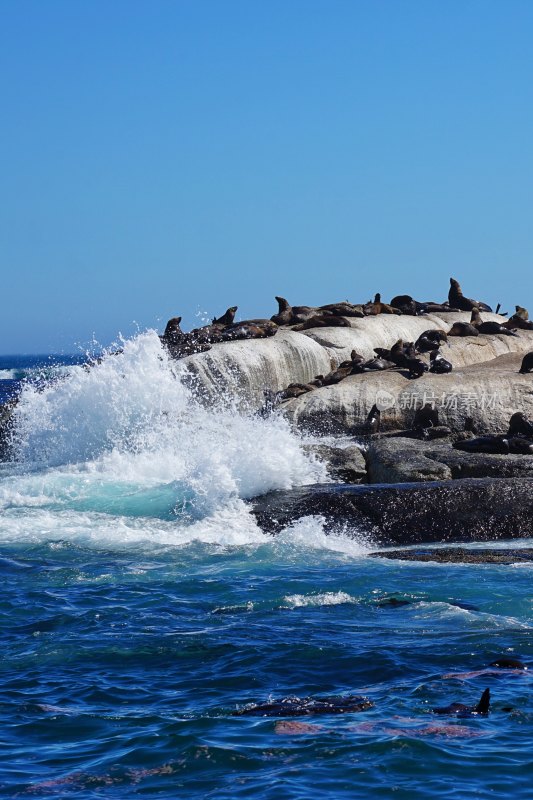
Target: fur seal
<point>377,364</point>
<point>249,329</point>
<point>322,320</point>
<point>497,445</point>
<point>226,318</point>
<point>519,425</point>
<point>461,710</point>
<point>463,329</point>
<point>406,305</point>
<point>375,307</point>
<point>343,309</point>
<point>430,340</point>
<point>508,663</point>
<point>527,364</point>
<point>416,367</point>
<point>180,344</point>
<point>337,375</point>
<point>521,313</point>
<point>426,417</point>
<point>489,328</point>
<point>173,330</point>
<point>306,706</point>
<point>373,420</point>
<point>457,299</point>
<point>291,315</point>
<point>438,364</point>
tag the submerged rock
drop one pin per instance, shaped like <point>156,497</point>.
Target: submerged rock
<point>460,555</point>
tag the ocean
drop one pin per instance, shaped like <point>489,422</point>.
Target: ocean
<point>142,608</point>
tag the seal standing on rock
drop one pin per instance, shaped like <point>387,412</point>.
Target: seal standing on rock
<point>457,299</point>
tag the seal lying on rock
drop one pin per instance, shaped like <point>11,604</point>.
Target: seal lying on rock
<point>489,328</point>
<point>463,329</point>
<point>461,710</point>
<point>406,305</point>
<point>343,309</point>
<point>438,364</point>
<point>430,340</point>
<point>520,320</point>
<point>180,344</point>
<point>322,320</point>
<point>375,307</point>
<point>457,299</point>
<point>306,706</point>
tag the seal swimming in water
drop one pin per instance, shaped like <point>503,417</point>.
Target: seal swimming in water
<point>462,710</point>
<point>457,299</point>
<point>306,706</point>
<point>508,663</point>
<point>527,364</point>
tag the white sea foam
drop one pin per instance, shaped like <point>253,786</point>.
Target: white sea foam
<point>320,599</point>
<point>124,451</point>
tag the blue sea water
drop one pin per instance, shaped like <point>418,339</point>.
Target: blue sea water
<point>142,607</point>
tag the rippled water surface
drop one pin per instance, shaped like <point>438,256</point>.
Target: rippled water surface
<point>142,608</point>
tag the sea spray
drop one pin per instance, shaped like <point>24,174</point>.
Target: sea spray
<point>126,437</point>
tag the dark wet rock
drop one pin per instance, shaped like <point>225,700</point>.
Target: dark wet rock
<point>6,427</point>
<point>461,555</point>
<point>345,464</point>
<point>399,459</point>
<point>411,513</point>
<point>306,706</point>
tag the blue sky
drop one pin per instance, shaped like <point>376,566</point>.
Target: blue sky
<point>174,158</point>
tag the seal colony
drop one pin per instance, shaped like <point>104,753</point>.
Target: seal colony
<point>352,364</point>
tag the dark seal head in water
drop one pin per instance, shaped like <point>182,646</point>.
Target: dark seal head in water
<point>508,663</point>
<point>462,710</point>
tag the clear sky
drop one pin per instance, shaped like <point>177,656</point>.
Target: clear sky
<point>164,158</point>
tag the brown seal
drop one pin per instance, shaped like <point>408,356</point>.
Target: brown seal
<point>457,299</point>
<point>463,329</point>
<point>491,328</point>
<point>377,307</point>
